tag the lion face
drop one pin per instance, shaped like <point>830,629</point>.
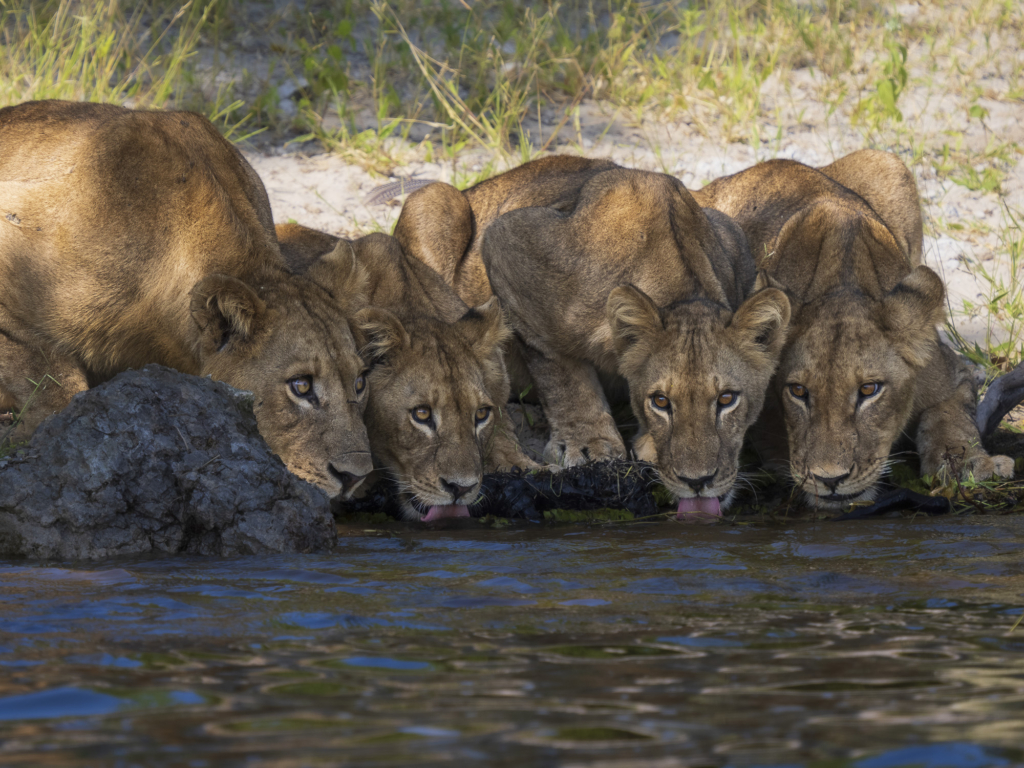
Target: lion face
<point>430,416</point>
<point>697,378</point>
<point>847,381</point>
<point>285,344</point>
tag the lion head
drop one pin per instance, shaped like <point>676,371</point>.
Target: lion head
<point>697,376</point>
<point>289,344</point>
<point>863,330</point>
<point>430,415</point>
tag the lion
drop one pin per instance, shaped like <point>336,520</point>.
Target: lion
<point>864,363</point>
<point>133,237</point>
<point>624,283</point>
<point>436,414</point>
<point>451,244</point>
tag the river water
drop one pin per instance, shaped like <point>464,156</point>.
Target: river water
<point>868,644</point>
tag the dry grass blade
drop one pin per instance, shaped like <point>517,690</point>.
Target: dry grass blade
<point>387,192</point>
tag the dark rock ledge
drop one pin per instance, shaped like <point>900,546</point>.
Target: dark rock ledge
<point>156,461</point>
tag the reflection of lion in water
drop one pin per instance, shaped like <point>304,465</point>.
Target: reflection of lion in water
<point>129,238</point>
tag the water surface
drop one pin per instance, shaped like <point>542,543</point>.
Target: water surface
<point>868,644</point>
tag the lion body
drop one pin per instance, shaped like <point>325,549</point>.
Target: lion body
<point>131,237</point>
<point>844,242</point>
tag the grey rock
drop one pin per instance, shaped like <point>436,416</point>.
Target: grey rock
<point>156,461</point>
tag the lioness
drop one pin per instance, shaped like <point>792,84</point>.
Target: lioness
<point>451,243</point>
<point>864,362</point>
<point>129,238</point>
<point>438,387</point>
<point>627,275</point>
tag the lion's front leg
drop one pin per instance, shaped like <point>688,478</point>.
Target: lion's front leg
<point>503,451</point>
<point>947,437</point>
<point>582,427</point>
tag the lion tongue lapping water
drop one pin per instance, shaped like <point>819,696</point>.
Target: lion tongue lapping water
<point>439,512</point>
<point>698,508</point>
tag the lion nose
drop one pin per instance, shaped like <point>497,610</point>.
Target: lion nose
<point>456,490</point>
<point>831,482</point>
<point>698,483</point>
<point>348,480</point>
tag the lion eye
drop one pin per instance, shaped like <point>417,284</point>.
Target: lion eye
<point>660,401</point>
<point>870,390</point>
<point>301,386</point>
<point>421,414</point>
<point>799,391</point>
<point>482,414</point>
<point>726,399</point>
<point>360,383</point>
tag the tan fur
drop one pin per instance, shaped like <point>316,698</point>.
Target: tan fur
<point>628,280</point>
<point>844,242</point>
<point>129,238</point>
<point>426,347</point>
<point>552,182</point>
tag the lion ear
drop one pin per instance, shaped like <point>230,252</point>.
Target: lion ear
<point>760,326</point>
<point>378,334</point>
<point>225,309</point>
<point>910,312</point>
<point>635,324</point>
<point>488,322</point>
<point>340,273</point>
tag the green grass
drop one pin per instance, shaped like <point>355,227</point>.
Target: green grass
<point>1001,305</point>
<point>95,52</point>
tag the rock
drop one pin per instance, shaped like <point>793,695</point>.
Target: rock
<point>156,461</point>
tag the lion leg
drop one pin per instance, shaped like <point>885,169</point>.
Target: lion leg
<point>582,427</point>
<point>503,451</point>
<point>35,383</point>
<point>947,437</point>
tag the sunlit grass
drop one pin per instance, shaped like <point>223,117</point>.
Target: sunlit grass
<point>1002,302</point>
<point>95,52</point>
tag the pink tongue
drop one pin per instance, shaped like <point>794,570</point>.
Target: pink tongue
<point>698,509</point>
<point>445,510</point>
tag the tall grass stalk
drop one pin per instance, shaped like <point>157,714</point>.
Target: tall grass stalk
<point>1001,304</point>
<point>63,49</point>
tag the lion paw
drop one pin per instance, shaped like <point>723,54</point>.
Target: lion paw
<point>508,463</point>
<point>566,451</point>
<point>985,467</point>
<point>978,467</point>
